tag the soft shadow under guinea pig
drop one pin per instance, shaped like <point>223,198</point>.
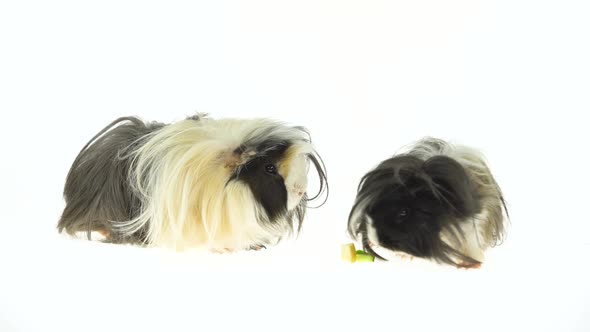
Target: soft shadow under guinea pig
<point>435,201</point>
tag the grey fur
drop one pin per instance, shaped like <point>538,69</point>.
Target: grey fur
<point>96,190</point>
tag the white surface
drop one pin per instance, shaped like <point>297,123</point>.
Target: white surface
<point>508,77</point>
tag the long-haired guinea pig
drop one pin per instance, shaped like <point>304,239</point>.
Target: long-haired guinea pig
<point>219,184</point>
<point>435,201</point>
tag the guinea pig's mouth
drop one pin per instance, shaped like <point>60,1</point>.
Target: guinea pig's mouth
<point>369,247</point>
<point>389,248</point>
<point>386,253</point>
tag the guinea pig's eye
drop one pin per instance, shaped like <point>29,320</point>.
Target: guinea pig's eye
<point>403,213</point>
<point>270,169</point>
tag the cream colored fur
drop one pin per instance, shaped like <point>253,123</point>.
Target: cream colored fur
<point>181,173</point>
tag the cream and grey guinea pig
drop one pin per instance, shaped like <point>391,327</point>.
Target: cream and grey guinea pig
<point>219,184</point>
<point>435,201</point>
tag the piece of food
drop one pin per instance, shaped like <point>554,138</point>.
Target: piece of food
<point>364,258</point>
<point>348,252</point>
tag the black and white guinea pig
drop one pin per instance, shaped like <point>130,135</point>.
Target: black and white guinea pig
<point>435,200</point>
<point>221,184</point>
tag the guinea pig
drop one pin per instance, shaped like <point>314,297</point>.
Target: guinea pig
<point>435,201</point>
<point>218,184</point>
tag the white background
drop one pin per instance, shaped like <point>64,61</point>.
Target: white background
<point>511,78</point>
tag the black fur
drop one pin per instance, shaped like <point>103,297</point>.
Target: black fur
<point>410,201</point>
<point>267,187</point>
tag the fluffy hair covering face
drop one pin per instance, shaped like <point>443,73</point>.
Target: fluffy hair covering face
<point>226,184</point>
<point>435,201</point>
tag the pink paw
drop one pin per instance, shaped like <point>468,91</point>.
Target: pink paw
<point>222,251</point>
<point>404,256</point>
<point>467,266</point>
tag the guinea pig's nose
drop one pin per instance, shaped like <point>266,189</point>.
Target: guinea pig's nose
<point>298,192</point>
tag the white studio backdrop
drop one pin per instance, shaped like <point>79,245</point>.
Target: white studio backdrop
<point>511,78</point>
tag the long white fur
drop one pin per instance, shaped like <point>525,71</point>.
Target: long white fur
<point>181,172</point>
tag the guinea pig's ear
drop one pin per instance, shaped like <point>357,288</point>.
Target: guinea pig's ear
<point>452,185</point>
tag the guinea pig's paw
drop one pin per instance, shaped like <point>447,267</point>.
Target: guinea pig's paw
<point>222,250</point>
<point>403,256</point>
<point>468,266</point>
<point>102,235</point>
<point>257,247</point>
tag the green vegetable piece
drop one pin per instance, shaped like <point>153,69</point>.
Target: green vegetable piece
<point>364,258</point>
